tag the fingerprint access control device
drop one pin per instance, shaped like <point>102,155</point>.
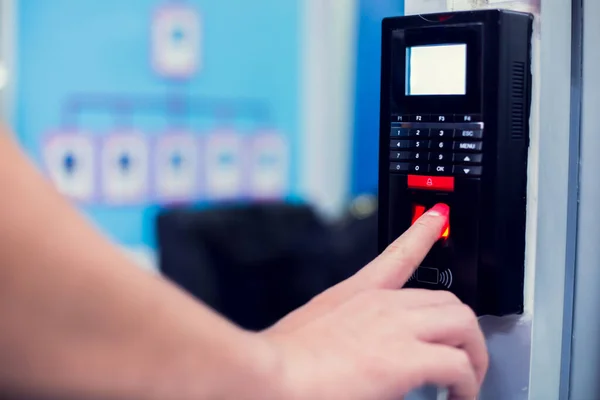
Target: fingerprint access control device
<point>454,129</point>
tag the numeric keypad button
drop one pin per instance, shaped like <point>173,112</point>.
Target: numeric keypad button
<point>441,146</point>
<point>441,158</point>
<point>418,133</point>
<point>400,144</point>
<point>399,132</point>
<point>420,156</point>
<point>419,168</point>
<point>442,134</point>
<point>399,155</point>
<point>420,144</point>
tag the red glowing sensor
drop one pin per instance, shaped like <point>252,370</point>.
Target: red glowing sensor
<point>418,210</point>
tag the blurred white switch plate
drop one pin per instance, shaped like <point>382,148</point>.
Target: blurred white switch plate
<point>269,166</point>
<point>176,41</point>
<point>176,167</point>
<point>224,166</point>
<point>70,163</point>
<point>413,7</point>
<point>125,168</point>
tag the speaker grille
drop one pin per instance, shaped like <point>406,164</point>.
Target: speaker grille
<point>517,86</point>
<point>518,81</point>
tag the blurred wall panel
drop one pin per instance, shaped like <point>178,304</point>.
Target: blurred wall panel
<point>86,69</point>
<point>7,59</point>
<point>328,75</point>
<point>366,117</point>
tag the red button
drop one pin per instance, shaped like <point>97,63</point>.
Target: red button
<point>442,183</point>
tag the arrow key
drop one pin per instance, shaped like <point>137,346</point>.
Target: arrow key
<point>466,158</point>
<point>467,170</point>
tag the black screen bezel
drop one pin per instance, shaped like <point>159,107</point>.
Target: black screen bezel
<point>402,39</point>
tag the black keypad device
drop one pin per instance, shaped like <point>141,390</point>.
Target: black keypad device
<point>440,144</point>
<point>459,136</point>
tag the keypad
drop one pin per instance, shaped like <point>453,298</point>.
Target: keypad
<point>437,144</point>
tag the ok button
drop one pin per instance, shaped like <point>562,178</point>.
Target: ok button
<point>442,169</point>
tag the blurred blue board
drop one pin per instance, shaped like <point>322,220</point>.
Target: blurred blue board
<point>65,47</point>
<point>366,127</point>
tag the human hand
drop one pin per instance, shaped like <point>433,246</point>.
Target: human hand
<point>366,340</point>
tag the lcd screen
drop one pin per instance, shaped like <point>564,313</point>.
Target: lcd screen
<point>436,70</point>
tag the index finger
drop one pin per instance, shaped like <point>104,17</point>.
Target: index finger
<point>401,258</point>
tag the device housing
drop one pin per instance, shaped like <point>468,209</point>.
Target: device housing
<point>465,149</point>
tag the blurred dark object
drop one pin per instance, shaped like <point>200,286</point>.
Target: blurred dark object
<point>256,263</point>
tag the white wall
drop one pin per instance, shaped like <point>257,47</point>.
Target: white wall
<point>327,90</point>
<point>7,58</point>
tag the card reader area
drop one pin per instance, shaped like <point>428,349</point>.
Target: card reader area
<point>450,265</point>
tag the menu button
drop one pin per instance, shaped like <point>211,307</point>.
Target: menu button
<point>468,146</point>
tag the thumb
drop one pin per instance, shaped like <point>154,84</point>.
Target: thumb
<point>398,262</point>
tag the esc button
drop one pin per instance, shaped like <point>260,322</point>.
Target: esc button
<point>468,134</point>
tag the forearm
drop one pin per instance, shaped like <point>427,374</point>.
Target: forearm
<point>78,321</point>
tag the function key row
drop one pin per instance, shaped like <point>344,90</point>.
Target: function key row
<point>433,169</point>
<point>419,156</point>
<point>431,144</point>
<point>443,118</point>
<point>438,133</point>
